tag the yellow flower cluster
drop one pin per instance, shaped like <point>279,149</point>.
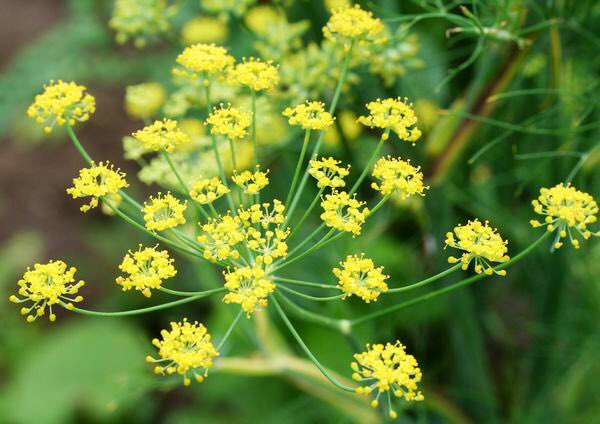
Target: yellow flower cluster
<point>186,349</point>
<point>342,212</point>
<point>481,243</point>
<point>248,287</point>
<point>142,101</point>
<point>358,276</point>
<point>161,135</point>
<point>255,74</point>
<point>205,59</point>
<point>251,182</point>
<point>163,212</point>
<point>387,369</point>
<point>392,115</point>
<point>140,19</point>
<point>47,285</point>
<point>309,115</point>
<point>204,29</point>
<point>147,268</point>
<point>229,121</point>
<point>97,181</point>
<point>220,236</point>
<point>396,175</point>
<point>328,173</point>
<point>566,209</point>
<point>208,190</point>
<point>62,103</point>
<point>353,23</point>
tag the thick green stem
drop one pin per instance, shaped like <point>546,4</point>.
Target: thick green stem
<point>341,325</point>
<point>309,297</point>
<point>230,330</point>
<point>425,281</point>
<point>188,294</point>
<point>298,167</point>
<point>304,283</point>
<point>78,145</point>
<point>379,204</point>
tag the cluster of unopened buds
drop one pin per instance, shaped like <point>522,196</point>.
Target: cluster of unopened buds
<point>249,237</point>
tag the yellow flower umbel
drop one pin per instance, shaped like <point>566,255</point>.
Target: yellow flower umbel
<point>161,135</point>
<point>147,268</point>
<point>208,190</point>
<point>97,181</point>
<point>248,287</point>
<point>566,209</point>
<point>342,212</point>
<point>264,235</point>
<point>62,103</point>
<point>143,101</point>
<point>47,285</point>
<point>140,20</point>
<point>204,29</point>
<point>392,115</point>
<point>229,121</point>
<point>204,60</point>
<point>220,236</point>
<point>251,182</point>
<point>185,350</point>
<point>396,175</point>
<point>309,115</point>
<point>163,212</point>
<point>255,74</point>
<point>481,243</point>
<point>358,276</point>
<point>353,23</point>
<point>328,173</point>
<point>387,369</point>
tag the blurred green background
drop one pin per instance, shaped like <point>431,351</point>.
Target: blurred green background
<point>519,112</point>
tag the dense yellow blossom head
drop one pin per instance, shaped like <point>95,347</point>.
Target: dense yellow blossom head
<point>207,190</point>
<point>264,235</point>
<point>353,23</point>
<point>387,369</point>
<point>248,287</point>
<point>203,59</point>
<point>229,121</point>
<point>251,182</point>
<point>140,20</point>
<point>204,29</point>
<point>147,268</point>
<point>309,115</point>
<point>480,243</point>
<point>163,212</point>
<point>255,74</point>
<point>186,349</point>
<point>46,285</point>
<point>343,212</point>
<point>568,211</point>
<point>143,101</point>
<point>396,175</point>
<point>392,115</point>
<point>95,182</point>
<point>328,173</point>
<point>220,237</point>
<point>359,276</point>
<point>62,103</point>
<point>161,135</point>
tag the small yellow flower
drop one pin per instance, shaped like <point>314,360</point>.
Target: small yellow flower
<point>567,210</point>
<point>248,287</point>
<point>204,29</point>
<point>396,175</point>
<point>186,349</point>
<point>342,212</point>
<point>163,212</point>
<point>392,115</point>
<point>62,103</point>
<point>203,59</point>
<point>353,23</point>
<point>481,243</point>
<point>140,20</point>
<point>358,276</point>
<point>328,173</point>
<point>387,369</point>
<point>229,121</point>
<point>264,235</point>
<point>251,182</point>
<point>95,182</point>
<point>147,268</point>
<point>255,74</point>
<point>220,236</point>
<point>309,115</point>
<point>208,190</point>
<point>47,285</point>
<point>143,101</point>
<point>161,135</point>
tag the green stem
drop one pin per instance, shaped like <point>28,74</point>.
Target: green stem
<point>309,297</point>
<point>78,145</point>
<point>229,330</point>
<point>307,239</point>
<point>308,251</point>
<point>369,164</point>
<point>187,294</point>
<point>380,204</point>
<point>306,213</point>
<point>425,281</point>
<point>341,325</point>
<point>304,283</point>
<point>232,148</point>
<point>298,167</point>
<point>140,311</point>
<point>254,137</point>
<point>307,350</point>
